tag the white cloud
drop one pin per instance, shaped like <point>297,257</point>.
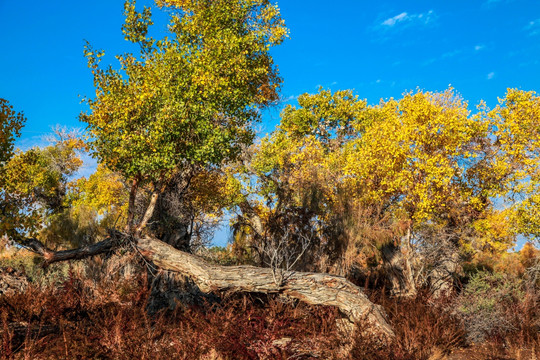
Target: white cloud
<point>490,76</point>
<point>533,27</point>
<point>429,61</point>
<point>394,20</point>
<point>406,18</point>
<point>451,54</point>
<point>479,47</point>
<point>493,3</point>
<point>289,98</point>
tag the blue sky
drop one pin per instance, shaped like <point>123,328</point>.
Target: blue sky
<point>380,49</point>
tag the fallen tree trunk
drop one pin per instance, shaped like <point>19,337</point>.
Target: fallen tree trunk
<point>312,288</point>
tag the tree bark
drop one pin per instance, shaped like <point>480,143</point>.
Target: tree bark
<point>131,206</point>
<point>251,216</point>
<point>51,256</point>
<point>399,270</point>
<point>312,288</point>
<point>12,281</point>
<point>444,272</point>
<point>149,212</point>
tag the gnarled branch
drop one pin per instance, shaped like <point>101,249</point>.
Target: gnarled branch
<point>51,256</point>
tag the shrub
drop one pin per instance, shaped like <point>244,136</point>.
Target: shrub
<point>484,302</point>
<point>422,327</point>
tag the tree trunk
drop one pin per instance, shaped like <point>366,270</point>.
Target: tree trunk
<point>149,212</point>
<point>399,269</point>
<point>131,206</point>
<point>312,288</point>
<point>444,272</point>
<point>51,256</point>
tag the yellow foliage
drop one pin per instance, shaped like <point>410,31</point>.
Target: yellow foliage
<point>104,191</point>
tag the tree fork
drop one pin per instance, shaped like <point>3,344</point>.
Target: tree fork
<point>148,213</point>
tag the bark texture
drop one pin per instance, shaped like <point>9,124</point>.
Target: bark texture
<point>12,281</point>
<point>312,288</point>
<point>399,270</point>
<point>445,271</point>
<point>51,256</point>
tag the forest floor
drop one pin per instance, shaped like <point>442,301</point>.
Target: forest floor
<point>87,318</point>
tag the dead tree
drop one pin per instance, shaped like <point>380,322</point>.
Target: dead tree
<point>312,288</point>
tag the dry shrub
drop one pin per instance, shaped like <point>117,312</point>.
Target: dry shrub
<point>111,321</point>
<point>71,321</point>
<point>495,305</point>
<point>423,329</point>
<point>522,339</point>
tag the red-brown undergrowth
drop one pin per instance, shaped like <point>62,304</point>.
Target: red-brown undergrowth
<point>423,329</point>
<point>74,320</point>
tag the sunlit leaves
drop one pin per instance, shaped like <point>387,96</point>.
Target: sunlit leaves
<point>11,124</point>
<point>34,185</point>
<point>104,192</point>
<point>190,97</point>
<point>425,159</point>
<point>325,115</point>
<point>418,149</point>
<point>516,122</point>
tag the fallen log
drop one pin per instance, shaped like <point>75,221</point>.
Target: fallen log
<point>51,256</point>
<point>312,288</point>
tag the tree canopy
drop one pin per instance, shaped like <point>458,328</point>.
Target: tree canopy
<point>190,97</point>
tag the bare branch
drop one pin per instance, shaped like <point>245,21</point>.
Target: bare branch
<point>51,256</point>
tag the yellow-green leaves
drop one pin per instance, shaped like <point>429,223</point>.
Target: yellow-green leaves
<point>328,116</point>
<point>11,124</point>
<point>417,149</point>
<point>135,28</point>
<point>516,123</point>
<point>104,192</point>
<point>33,185</point>
<point>190,97</point>
<point>425,159</point>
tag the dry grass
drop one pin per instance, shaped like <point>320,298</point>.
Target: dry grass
<point>73,322</point>
<point>109,320</point>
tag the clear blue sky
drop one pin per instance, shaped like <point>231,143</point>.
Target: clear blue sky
<point>378,48</point>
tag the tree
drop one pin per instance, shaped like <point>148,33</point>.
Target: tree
<point>189,98</point>
<point>420,170</point>
<point>298,186</point>
<point>11,124</point>
<point>34,185</point>
<point>415,157</point>
<point>187,103</point>
<point>516,130</point>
